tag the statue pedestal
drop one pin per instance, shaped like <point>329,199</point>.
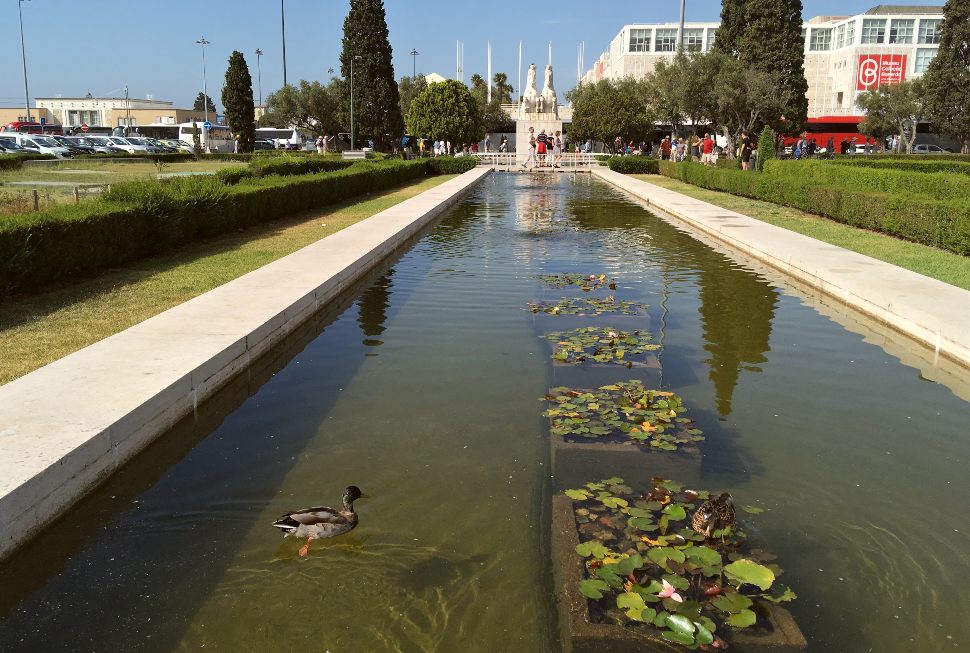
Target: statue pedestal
<point>549,122</point>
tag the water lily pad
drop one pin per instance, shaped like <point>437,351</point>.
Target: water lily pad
<point>633,604</point>
<point>593,588</point>
<point>587,306</point>
<point>742,619</point>
<point>585,282</point>
<point>748,571</point>
<point>595,549</point>
<point>600,344</point>
<point>578,495</point>
<point>754,510</point>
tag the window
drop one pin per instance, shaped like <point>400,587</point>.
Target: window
<point>873,31</point>
<point>901,31</point>
<point>640,40</point>
<point>839,37</point>
<point>711,34</point>
<point>821,40</point>
<point>693,40</point>
<point>666,40</point>
<point>929,31</point>
<point>923,58</point>
<point>850,33</point>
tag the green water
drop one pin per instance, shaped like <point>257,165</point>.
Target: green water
<point>423,392</point>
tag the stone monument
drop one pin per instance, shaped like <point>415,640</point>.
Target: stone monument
<point>537,110</point>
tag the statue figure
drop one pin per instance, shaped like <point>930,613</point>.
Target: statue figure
<point>531,94</point>
<point>539,104</point>
<point>549,93</point>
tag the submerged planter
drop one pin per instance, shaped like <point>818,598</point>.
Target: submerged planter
<point>585,558</point>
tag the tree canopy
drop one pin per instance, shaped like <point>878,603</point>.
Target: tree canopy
<point>947,81</point>
<point>895,109</point>
<point>313,107</point>
<point>446,111</point>
<point>200,102</point>
<point>607,109</point>
<point>377,108</point>
<point>237,98</point>
<point>410,88</point>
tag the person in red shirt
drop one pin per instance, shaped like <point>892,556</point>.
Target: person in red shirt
<point>665,148</point>
<point>707,149</point>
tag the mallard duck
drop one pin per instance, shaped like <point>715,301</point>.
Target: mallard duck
<point>714,515</point>
<point>321,522</point>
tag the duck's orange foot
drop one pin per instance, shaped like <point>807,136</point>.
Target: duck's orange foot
<point>305,549</point>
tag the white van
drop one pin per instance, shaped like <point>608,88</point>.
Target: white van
<point>39,144</point>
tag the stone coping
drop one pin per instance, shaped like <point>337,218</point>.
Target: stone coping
<point>68,426</point>
<point>931,312</point>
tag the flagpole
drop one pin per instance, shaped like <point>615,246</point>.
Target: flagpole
<point>489,79</point>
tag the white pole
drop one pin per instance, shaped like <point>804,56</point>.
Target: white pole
<point>520,72</point>
<point>489,79</point>
<point>550,53</point>
<point>457,59</point>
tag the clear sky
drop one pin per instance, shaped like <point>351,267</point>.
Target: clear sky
<point>103,45</point>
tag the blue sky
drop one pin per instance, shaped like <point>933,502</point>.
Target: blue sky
<point>150,46</point>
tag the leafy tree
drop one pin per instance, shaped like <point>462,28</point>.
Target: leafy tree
<point>311,107</point>
<point>377,110</point>
<point>767,37</point>
<point>895,109</point>
<point>747,99</point>
<point>947,82</point>
<point>479,89</point>
<point>766,147</point>
<point>201,100</point>
<point>446,111</point>
<point>503,90</point>
<point>410,88</point>
<point>607,109</point>
<point>237,98</point>
<point>495,119</point>
<point>196,139</point>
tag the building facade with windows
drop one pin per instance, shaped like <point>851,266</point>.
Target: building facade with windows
<point>104,112</point>
<point>844,55</point>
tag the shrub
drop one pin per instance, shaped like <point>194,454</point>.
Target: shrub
<point>451,165</point>
<point>912,164</point>
<point>941,223</point>
<point>766,147</point>
<point>16,161</point>
<point>634,165</point>
<point>871,180</point>
<point>139,218</point>
<point>283,166</point>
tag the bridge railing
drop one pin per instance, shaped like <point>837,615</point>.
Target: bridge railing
<point>570,162</point>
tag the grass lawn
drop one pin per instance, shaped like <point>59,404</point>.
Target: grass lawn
<point>930,261</point>
<point>40,328</point>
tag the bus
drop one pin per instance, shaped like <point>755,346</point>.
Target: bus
<point>219,138</point>
<point>22,127</point>
<point>824,128</point>
<point>281,137</point>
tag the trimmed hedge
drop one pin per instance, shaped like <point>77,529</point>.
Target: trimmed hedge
<point>872,180</point>
<point>634,165</point>
<point>442,165</point>
<point>907,157</point>
<point>282,166</point>
<point>912,164</point>
<point>940,223</point>
<point>16,161</point>
<point>140,218</point>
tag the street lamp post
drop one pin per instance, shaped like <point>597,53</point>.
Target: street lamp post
<point>283,30</point>
<point>414,63</point>
<point>23,54</point>
<point>259,75</point>
<point>205,92</point>
<point>680,32</point>
<point>352,59</point>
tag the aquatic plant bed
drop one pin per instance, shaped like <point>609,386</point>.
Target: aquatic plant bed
<point>632,575</point>
<point>624,412</point>
<point>604,345</point>
<point>587,307</point>
<point>585,282</point>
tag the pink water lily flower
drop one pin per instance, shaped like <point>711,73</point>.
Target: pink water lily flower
<point>613,335</point>
<point>670,592</point>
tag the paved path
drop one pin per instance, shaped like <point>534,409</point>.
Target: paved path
<point>69,425</point>
<point>931,312</point>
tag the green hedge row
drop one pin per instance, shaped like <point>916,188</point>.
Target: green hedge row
<point>443,165</point>
<point>282,166</point>
<point>911,164</point>
<point>140,218</point>
<point>634,165</point>
<point>941,223</point>
<point>871,180</point>
<point>16,161</point>
<point>908,157</point>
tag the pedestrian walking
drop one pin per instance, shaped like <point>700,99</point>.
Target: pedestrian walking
<point>695,148</point>
<point>557,151</point>
<point>707,150</point>
<point>488,143</point>
<point>665,149</point>
<point>532,149</point>
<point>745,151</point>
<point>321,147</point>
<point>235,146</point>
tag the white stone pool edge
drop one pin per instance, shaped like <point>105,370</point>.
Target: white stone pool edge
<point>66,427</point>
<point>933,313</point>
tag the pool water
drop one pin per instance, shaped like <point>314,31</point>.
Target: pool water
<point>424,391</point>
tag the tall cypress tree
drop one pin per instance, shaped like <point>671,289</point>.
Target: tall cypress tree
<point>237,98</point>
<point>377,109</point>
<point>767,36</point>
<point>947,81</point>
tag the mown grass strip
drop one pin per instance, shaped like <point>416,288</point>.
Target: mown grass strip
<point>930,261</point>
<point>38,329</point>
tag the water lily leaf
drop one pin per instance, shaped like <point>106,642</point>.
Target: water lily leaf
<point>647,615</point>
<point>633,604</point>
<point>628,565</point>
<point>593,588</point>
<point>660,555</point>
<point>675,512</point>
<point>704,556</point>
<point>704,636</point>
<point>578,495</point>
<point>780,594</point>
<point>679,582</point>
<point>750,572</point>
<point>742,619</point>
<point>661,619</point>
<point>681,624</point>
<point>608,573</point>
<point>595,549</point>
<point>678,638</point>
<point>754,510</point>
<point>732,602</point>
<point>690,609</point>
<point>642,523</point>
<point>614,502</point>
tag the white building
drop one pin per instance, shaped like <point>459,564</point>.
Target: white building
<point>844,55</point>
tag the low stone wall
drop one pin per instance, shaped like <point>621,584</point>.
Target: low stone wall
<point>931,312</point>
<point>67,427</point>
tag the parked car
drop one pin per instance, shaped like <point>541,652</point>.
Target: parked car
<point>99,144</point>
<point>264,144</point>
<point>178,146</point>
<point>75,147</point>
<point>133,144</point>
<point>927,148</point>
<point>37,144</point>
<point>9,146</point>
<point>161,146</point>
